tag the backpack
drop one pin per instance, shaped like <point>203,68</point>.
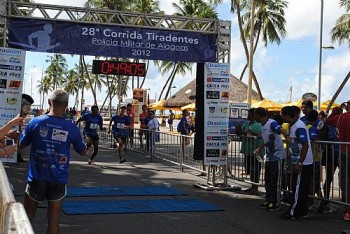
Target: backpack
<point>179,127</point>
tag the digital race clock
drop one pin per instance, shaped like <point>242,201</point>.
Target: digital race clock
<point>118,68</point>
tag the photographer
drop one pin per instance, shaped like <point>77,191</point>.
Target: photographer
<point>342,122</point>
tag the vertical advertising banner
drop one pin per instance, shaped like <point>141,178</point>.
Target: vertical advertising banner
<point>11,83</point>
<point>216,112</point>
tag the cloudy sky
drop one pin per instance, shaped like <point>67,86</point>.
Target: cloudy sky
<point>294,63</point>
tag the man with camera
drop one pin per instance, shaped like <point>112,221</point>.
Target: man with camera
<point>342,122</point>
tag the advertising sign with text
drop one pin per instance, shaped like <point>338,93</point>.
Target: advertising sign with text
<point>216,112</point>
<point>112,41</point>
<point>11,83</point>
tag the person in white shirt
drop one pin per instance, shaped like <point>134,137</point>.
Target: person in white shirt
<point>153,127</point>
<point>302,161</point>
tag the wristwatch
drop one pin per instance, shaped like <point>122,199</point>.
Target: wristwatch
<point>300,163</point>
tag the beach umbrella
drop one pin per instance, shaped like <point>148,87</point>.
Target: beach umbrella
<point>268,105</point>
<point>190,107</point>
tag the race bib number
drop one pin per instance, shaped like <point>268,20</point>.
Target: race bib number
<point>93,126</point>
<point>120,125</point>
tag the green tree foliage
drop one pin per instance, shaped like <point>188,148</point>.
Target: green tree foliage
<point>188,8</point>
<point>341,31</point>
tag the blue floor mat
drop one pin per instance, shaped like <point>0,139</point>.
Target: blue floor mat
<point>122,191</point>
<point>137,206</point>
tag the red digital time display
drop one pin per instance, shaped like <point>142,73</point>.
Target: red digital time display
<point>118,68</point>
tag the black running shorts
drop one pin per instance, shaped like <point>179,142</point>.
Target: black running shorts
<point>43,190</point>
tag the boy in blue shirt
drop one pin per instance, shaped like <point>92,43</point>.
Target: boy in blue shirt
<point>120,130</point>
<point>92,121</point>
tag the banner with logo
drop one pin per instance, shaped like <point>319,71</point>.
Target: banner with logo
<point>111,41</point>
<point>11,83</point>
<point>216,112</point>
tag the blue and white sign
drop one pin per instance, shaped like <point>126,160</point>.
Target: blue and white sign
<point>11,84</point>
<point>216,112</point>
<point>111,41</point>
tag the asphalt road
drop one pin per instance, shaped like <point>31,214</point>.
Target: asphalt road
<point>241,212</point>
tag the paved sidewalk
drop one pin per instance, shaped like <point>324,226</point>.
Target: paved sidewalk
<point>241,212</point>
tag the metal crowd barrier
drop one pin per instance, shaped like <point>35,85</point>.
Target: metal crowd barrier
<point>13,218</point>
<point>326,176</point>
<point>172,147</point>
<point>242,164</point>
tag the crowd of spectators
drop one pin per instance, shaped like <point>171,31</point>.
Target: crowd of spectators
<point>302,174</point>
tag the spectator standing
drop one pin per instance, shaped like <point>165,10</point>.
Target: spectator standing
<point>302,162</point>
<point>306,107</point>
<point>171,120</point>
<point>73,114</point>
<point>26,103</point>
<point>330,160</point>
<point>185,125</point>
<point>314,133</point>
<point>342,122</point>
<point>144,119</point>
<point>131,114</point>
<point>275,154</point>
<point>250,131</point>
<point>153,127</point>
<point>92,121</point>
<point>120,130</point>
<point>50,137</point>
<point>67,115</point>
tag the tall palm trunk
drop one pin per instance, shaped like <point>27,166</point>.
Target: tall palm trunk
<point>338,91</point>
<point>90,81</point>
<point>144,78</point>
<point>166,83</point>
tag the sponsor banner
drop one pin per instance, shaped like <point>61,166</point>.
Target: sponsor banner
<point>111,41</point>
<point>216,112</point>
<point>11,83</point>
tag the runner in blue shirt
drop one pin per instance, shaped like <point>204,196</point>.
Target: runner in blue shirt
<point>120,130</point>
<point>85,111</point>
<point>50,137</point>
<point>92,121</point>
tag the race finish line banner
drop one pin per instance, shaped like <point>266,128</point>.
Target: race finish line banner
<point>112,41</point>
<point>11,83</point>
<point>216,112</point>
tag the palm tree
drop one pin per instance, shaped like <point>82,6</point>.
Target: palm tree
<point>144,6</point>
<point>341,34</point>
<point>175,68</point>
<point>119,5</point>
<point>57,69</point>
<point>341,31</point>
<point>269,24</point>
<point>93,82</point>
<point>71,84</point>
<point>44,87</point>
<point>189,8</point>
